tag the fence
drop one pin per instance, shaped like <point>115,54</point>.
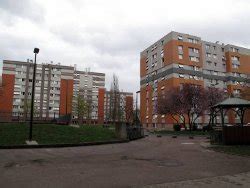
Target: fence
<point>6,117</point>
<point>236,135</point>
<point>231,135</point>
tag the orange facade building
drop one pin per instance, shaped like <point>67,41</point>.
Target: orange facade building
<point>179,58</point>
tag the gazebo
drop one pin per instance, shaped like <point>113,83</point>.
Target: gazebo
<point>233,134</point>
<point>237,104</point>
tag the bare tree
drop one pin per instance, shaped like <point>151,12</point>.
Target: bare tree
<point>194,103</point>
<point>27,107</point>
<point>171,103</point>
<point>213,96</point>
<point>188,101</point>
<point>80,107</point>
<point>114,101</point>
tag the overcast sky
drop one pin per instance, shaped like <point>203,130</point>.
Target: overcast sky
<point>108,35</point>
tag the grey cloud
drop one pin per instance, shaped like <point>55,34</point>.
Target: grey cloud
<point>27,9</point>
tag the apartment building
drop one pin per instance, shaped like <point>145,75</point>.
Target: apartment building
<point>53,90</point>
<point>122,102</point>
<point>87,84</point>
<point>56,90</point>
<point>179,58</point>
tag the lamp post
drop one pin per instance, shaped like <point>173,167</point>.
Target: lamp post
<point>36,51</point>
<point>136,108</point>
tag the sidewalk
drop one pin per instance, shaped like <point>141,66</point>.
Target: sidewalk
<point>239,180</point>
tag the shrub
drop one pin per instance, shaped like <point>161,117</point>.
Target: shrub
<point>195,127</point>
<point>177,127</point>
<point>207,128</point>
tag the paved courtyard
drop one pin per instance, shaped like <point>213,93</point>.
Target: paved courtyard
<point>149,162</point>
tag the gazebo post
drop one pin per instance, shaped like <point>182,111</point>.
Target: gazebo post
<point>222,124</point>
<point>222,116</point>
<point>242,112</point>
<point>212,117</point>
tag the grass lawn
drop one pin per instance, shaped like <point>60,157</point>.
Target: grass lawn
<point>243,150</point>
<point>17,134</point>
<point>184,133</point>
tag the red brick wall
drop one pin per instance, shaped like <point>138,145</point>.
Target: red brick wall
<point>6,100</point>
<point>129,108</point>
<point>66,94</point>
<point>101,94</point>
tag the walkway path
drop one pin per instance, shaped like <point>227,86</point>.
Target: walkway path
<point>145,162</point>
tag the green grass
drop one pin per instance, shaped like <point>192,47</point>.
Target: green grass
<point>242,150</point>
<point>184,133</point>
<point>17,134</point>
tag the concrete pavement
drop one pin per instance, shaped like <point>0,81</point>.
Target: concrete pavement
<point>150,162</point>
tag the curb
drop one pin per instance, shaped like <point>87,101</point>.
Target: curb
<point>64,145</point>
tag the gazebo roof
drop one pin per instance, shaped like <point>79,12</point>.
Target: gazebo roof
<point>233,102</point>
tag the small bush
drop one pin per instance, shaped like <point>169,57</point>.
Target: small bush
<point>177,127</point>
<point>195,127</point>
<point>207,128</point>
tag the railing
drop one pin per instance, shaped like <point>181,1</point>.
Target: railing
<point>7,117</point>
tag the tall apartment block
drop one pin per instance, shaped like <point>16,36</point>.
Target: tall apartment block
<point>87,84</point>
<point>179,58</point>
<point>56,89</point>
<point>124,103</point>
<point>53,90</point>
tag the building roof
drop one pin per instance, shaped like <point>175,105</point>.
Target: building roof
<point>233,102</point>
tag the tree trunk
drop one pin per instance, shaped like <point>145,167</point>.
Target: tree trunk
<point>189,122</point>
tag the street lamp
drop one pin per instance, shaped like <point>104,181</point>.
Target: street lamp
<point>136,108</point>
<point>36,51</point>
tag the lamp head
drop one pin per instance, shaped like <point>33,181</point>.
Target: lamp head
<point>36,50</point>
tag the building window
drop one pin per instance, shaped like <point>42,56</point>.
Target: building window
<point>190,40</point>
<point>162,61</point>
<point>162,53</point>
<point>180,48</point>
<point>195,68</point>
<point>235,66</point>
<point>209,62</point>
<point>154,55</point>
<point>180,56</point>
<point>214,47</point>
<point>180,37</point>
<point>234,49</point>
<point>195,59</point>
<point>214,56</point>
<point>222,49</point>
<point>215,64</point>
<point>194,50</point>
<point>236,91</point>
<point>181,75</point>
<point>207,46</point>
<point>181,66</point>
<point>195,41</point>
<point>208,55</point>
<point>235,58</point>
